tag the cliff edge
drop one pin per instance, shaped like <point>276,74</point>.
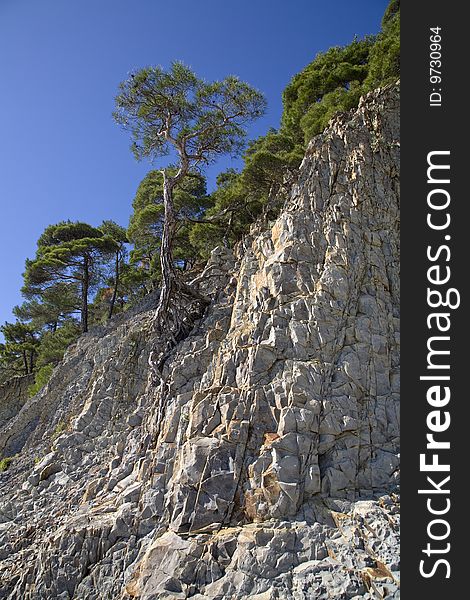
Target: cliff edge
<point>261,460</point>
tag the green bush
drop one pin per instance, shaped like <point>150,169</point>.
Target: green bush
<point>335,80</point>
<point>384,59</point>
<point>43,374</point>
<point>324,87</point>
<point>59,429</point>
<point>5,463</point>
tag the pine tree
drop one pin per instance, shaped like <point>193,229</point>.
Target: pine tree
<point>176,112</point>
<point>57,303</point>
<point>18,352</point>
<point>68,253</point>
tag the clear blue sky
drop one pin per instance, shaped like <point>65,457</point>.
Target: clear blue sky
<point>61,154</point>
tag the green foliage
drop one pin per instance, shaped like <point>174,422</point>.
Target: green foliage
<point>78,266</point>
<point>59,430</point>
<point>66,265</point>
<point>146,222</point>
<point>18,352</point>
<point>241,198</point>
<point>339,100</point>
<point>334,81</point>
<point>42,376</point>
<point>384,59</point>
<point>308,99</point>
<point>134,283</point>
<point>54,343</point>
<point>217,224</point>
<point>268,160</point>
<point>68,253</point>
<point>62,251</point>
<point>174,109</point>
<point>392,12</point>
<point>51,351</point>
<point>175,112</point>
<point>112,298</point>
<point>115,232</point>
<point>56,304</point>
<point>5,463</point>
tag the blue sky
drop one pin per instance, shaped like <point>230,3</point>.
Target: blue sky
<point>61,154</point>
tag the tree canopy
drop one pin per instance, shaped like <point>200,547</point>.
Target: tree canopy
<point>75,262</point>
<point>54,305</point>
<point>174,110</point>
<point>67,253</point>
<point>334,81</point>
<point>18,352</point>
<point>118,239</point>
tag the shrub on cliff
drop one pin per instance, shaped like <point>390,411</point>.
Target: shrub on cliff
<point>335,80</point>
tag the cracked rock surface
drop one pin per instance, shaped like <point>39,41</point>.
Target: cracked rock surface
<point>262,461</point>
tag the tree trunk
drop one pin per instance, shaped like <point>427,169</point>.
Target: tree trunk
<point>85,286</point>
<point>25,362</point>
<point>166,250</point>
<point>225,239</point>
<point>31,361</point>
<point>116,283</point>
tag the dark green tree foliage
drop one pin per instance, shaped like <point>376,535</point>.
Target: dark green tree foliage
<point>332,83</point>
<point>57,304</point>
<point>174,112</point>
<point>42,376</point>
<point>231,213</point>
<point>147,220</point>
<point>72,261</point>
<point>392,12</point>
<point>270,162</point>
<point>117,256</point>
<point>50,352</point>
<point>174,222</point>
<point>146,224</point>
<point>18,352</point>
<point>270,165</point>
<point>68,253</point>
<point>384,59</point>
<point>54,343</point>
<point>329,84</point>
<point>335,80</point>
<point>134,283</point>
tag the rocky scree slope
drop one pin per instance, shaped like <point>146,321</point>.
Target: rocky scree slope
<point>261,461</point>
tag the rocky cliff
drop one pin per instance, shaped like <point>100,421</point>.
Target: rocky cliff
<point>13,395</point>
<point>260,460</point>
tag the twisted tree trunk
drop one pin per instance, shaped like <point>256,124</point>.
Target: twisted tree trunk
<point>166,250</point>
<point>179,303</point>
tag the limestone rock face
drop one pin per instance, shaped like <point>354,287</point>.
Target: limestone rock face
<point>13,395</point>
<point>261,460</point>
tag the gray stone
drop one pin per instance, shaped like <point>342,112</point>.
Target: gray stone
<point>234,470</point>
